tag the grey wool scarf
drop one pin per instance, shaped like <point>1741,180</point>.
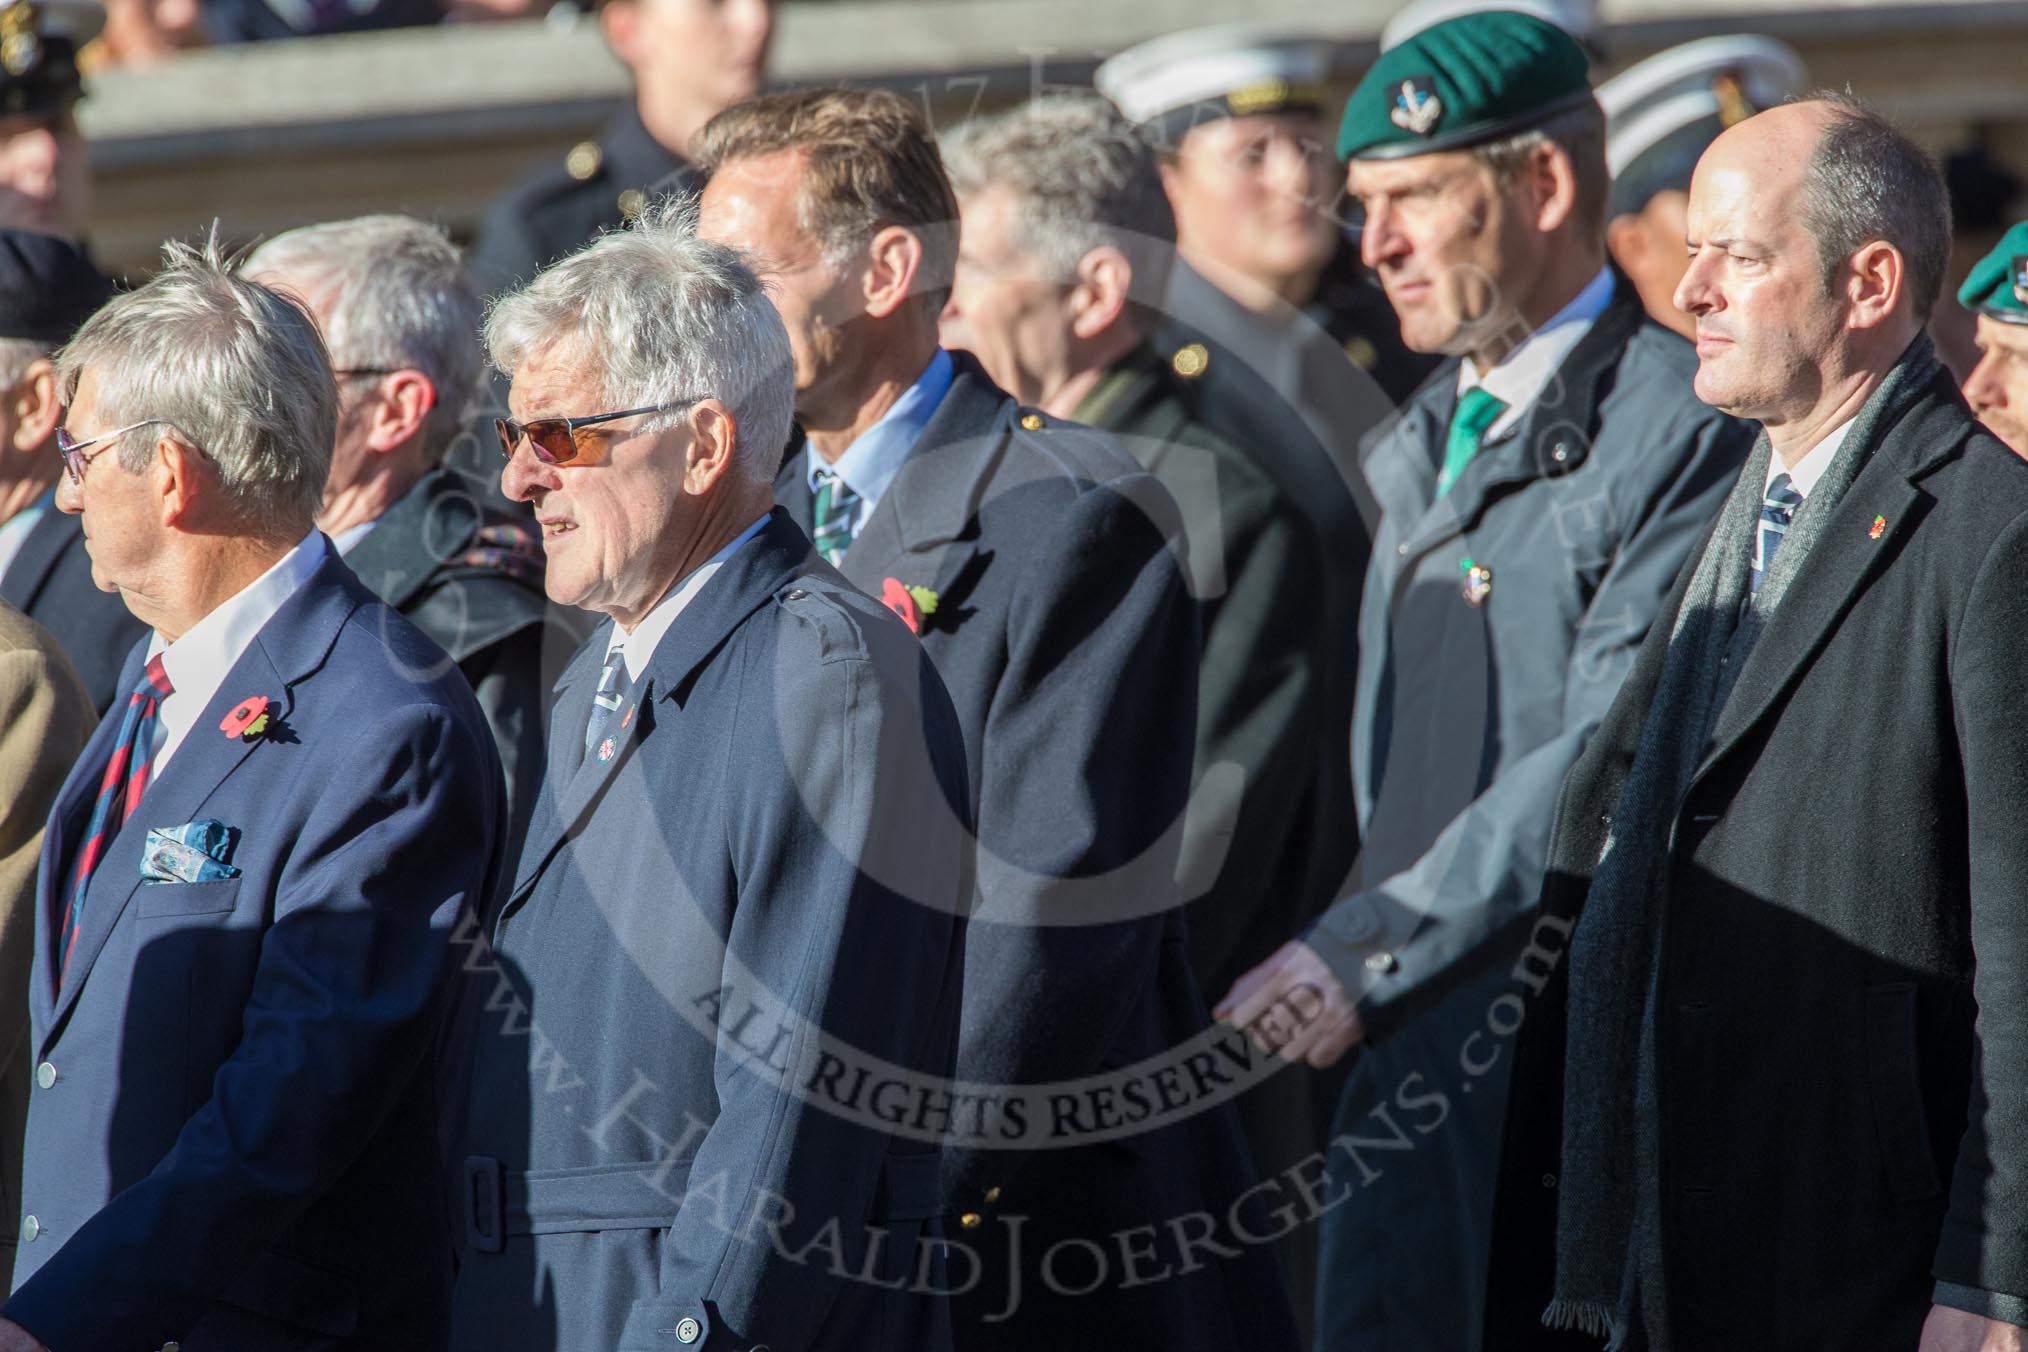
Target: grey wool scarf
<point>1608,1224</point>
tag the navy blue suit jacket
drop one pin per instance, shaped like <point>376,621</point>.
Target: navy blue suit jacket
<point>232,1141</point>
<point>756,886</point>
<point>50,580</point>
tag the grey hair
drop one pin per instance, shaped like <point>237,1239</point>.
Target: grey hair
<point>239,370</point>
<point>16,356</point>
<point>1868,181</point>
<point>657,314</point>
<point>396,297</point>
<point>1086,176</point>
<point>1580,133</point>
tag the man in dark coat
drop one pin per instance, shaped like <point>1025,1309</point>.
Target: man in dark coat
<point>1035,559</point>
<point>1067,237</point>
<point>1765,1087</point>
<point>249,882</point>
<point>47,288</point>
<point>741,895</point>
<point>399,315</point>
<point>689,58</point>
<point>1538,497</point>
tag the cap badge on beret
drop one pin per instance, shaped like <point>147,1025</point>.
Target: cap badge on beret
<point>1416,106</point>
<point>2017,274</point>
<point>20,44</point>
<point>1734,107</point>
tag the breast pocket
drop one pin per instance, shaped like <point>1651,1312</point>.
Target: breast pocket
<point>174,899</point>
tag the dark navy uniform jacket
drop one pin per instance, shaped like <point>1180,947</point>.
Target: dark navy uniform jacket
<point>561,208</point>
<point>1062,623</point>
<point>232,1144</point>
<point>731,916</point>
<point>50,580</point>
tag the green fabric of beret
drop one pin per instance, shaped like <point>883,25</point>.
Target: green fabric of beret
<point>1462,82</point>
<point>1998,286</point>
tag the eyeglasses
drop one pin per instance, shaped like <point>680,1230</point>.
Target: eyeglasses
<point>554,440</point>
<point>72,451</point>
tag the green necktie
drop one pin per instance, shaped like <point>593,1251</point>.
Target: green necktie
<point>831,516</point>
<point>1477,411</point>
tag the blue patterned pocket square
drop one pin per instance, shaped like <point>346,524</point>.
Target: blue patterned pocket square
<point>192,853</point>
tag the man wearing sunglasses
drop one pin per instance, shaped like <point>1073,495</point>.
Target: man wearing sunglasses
<point>741,891</point>
<point>1039,563</point>
<point>250,878</point>
<point>47,288</point>
<point>396,308</point>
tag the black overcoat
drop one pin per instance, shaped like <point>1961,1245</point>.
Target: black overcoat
<point>1843,999</point>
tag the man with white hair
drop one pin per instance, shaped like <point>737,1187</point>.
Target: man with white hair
<point>399,316</point>
<point>739,898</point>
<point>250,879</point>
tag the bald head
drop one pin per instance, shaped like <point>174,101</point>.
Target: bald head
<point>1818,236</point>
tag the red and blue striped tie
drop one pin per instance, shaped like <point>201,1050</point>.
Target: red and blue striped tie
<point>119,793</point>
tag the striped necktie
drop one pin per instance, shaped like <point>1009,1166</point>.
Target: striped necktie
<point>1478,409</point>
<point>120,790</point>
<point>1777,510</point>
<point>831,518</point>
<point>614,686</point>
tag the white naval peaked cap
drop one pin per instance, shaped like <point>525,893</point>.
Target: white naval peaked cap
<point>1248,68</point>
<point>1730,77</point>
<point>1579,18</point>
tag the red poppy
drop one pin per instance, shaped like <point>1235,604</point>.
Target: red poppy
<point>248,719</point>
<point>896,598</point>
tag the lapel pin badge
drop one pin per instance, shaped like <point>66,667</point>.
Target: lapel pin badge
<point>1878,529</point>
<point>1478,583</point>
<point>627,719</point>
<point>248,720</point>
<point>606,750</point>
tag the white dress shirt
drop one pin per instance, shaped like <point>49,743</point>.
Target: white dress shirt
<point>1519,380</point>
<point>198,663</point>
<point>345,541</point>
<point>647,636</point>
<point>15,529</point>
<point>870,463</point>
<point>1815,461</point>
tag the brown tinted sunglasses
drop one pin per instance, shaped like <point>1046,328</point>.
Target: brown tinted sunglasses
<point>554,440</point>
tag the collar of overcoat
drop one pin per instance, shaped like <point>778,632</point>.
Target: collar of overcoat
<point>573,783</point>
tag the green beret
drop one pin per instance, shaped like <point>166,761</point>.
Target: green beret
<point>1465,81</point>
<point>1998,286</point>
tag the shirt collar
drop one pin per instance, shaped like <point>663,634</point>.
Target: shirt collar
<point>15,529</point>
<point>1521,378</point>
<point>198,663</point>
<point>1803,478</point>
<point>345,540</point>
<point>870,463</point>
<point>647,636</point>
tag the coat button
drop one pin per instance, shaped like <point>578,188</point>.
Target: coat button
<point>992,1196</point>
<point>1381,963</point>
<point>30,1228</point>
<point>688,1330</point>
<point>1560,454</point>
<point>1032,421</point>
<point>45,1075</point>
<point>796,595</point>
<point>1549,1180</point>
<point>1402,549</point>
<point>971,1220</point>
